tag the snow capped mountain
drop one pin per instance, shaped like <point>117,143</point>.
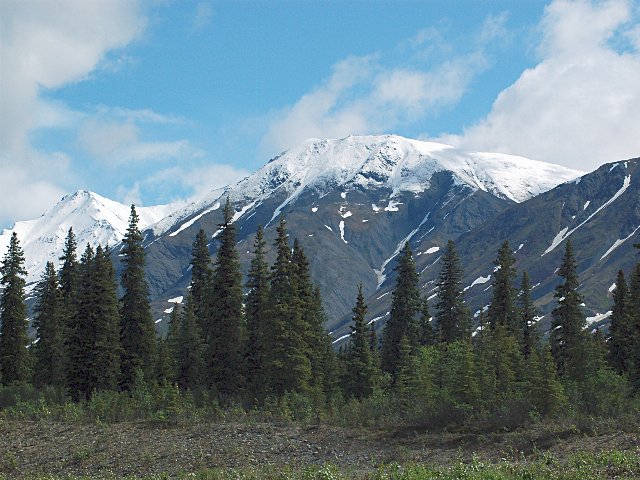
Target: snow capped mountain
<point>95,220</point>
<point>399,164</point>
<point>394,163</point>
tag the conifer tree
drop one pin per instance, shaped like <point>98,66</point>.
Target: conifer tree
<point>69,278</point>
<point>137,330</point>
<point>106,329</point>
<point>256,305</point>
<point>189,350</point>
<point>632,307</point>
<point>225,337</point>
<point>309,302</point>
<point>620,332</point>
<point>201,280</point>
<point>547,393</point>
<point>360,379</point>
<point>527,313</point>
<point>287,365</point>
<point>452,317</point>
<point>405,383</point>
<point>404,309</point>
<point>567,338</point>
<point>502,309</point>
<point>49,349</point>
<point>81,335</point>
<point>13,316</point>
<point>426,335</point>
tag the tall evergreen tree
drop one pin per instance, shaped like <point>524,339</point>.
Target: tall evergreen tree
<point>452,315</point>
<point>69,277</point>
<point>620,332</point>
<point>137,330</point>
<point>81,330</point>
<point>106,328</point>
<point>426,335</point>
<point>201,280</point>
<point>49,349</point>
<point>632,307</point>
<point>527,313</point>
<point>256,306</point>
<point>309,303</point>
<point>189,350</point>
<point>287,365</point>
<point>13,316</point>
<point>502,309</point>
<point>225,337</point>
<point>404,309</point>
<point>567,337</point>
<point>359,371</point>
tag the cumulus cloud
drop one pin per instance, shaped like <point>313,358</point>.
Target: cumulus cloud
<point>44,46</point>
<point>580,105</point>
<point>363,95</point>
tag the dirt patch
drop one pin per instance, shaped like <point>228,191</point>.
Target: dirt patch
<point>31,448</point>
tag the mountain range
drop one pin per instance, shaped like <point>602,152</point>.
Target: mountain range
<point>354,202</point>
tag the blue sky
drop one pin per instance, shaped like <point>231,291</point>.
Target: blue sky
<point>156,101</point>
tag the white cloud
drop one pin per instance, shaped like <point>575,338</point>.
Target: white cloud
<point>45,46</point>
<point>580,105</point>
<point>363,95</point>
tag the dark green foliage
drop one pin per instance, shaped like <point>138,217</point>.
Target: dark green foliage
<point>620,332</point>
<point>567,338</point>
<point>201,280</point>
<point>69,280</point>
<point>502,309</point>
<point>49,349</point>
<point>137,330</point>
<point>547,393</point>
<point>13,316</point>
<point>632,316</point>
<point>452,317</point>
<point>189,350</point>
<point>358,363</point>
<point>404,310</point>
<point>256,310</point>
<point>225,335</point>
<point>287,365</point>
<point>106,327</point>
<point>426,335</point>
<point>527,313</point>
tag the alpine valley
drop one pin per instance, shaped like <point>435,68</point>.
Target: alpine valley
<point>354,202</point>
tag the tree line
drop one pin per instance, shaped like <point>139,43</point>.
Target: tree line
<point>264,339</point>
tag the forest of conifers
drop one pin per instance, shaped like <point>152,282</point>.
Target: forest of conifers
<point>260,344</point>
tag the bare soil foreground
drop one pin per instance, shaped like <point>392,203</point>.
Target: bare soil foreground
<point>30,449</point>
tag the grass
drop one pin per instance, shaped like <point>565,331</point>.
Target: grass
<point>578,466</point>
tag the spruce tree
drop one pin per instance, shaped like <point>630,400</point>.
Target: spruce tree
<point>527,313</point>
<point>201,280</point>
<point>256,305</point>
<point>137,330</point>
<point>69,279</point>
<point>632,307</point>
<point>426,335</point>
<point>49,349</point>
<point>502,309</point>
<point>13,316</point>
<point>360,378</point>
<point>620,332</point>
<point>404,309</point>
<point>309,302</point>
<point>106,328</point>
<point>225,337</point>
<point>567,337</point>
<point>189,350</point>
<point>452,315</point>
<point>287,366</point>
<point>81,330</point>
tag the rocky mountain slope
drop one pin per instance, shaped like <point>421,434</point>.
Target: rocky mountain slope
<point>353,202</point>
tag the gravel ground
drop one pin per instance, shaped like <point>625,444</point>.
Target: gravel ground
<point>34,448</point>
